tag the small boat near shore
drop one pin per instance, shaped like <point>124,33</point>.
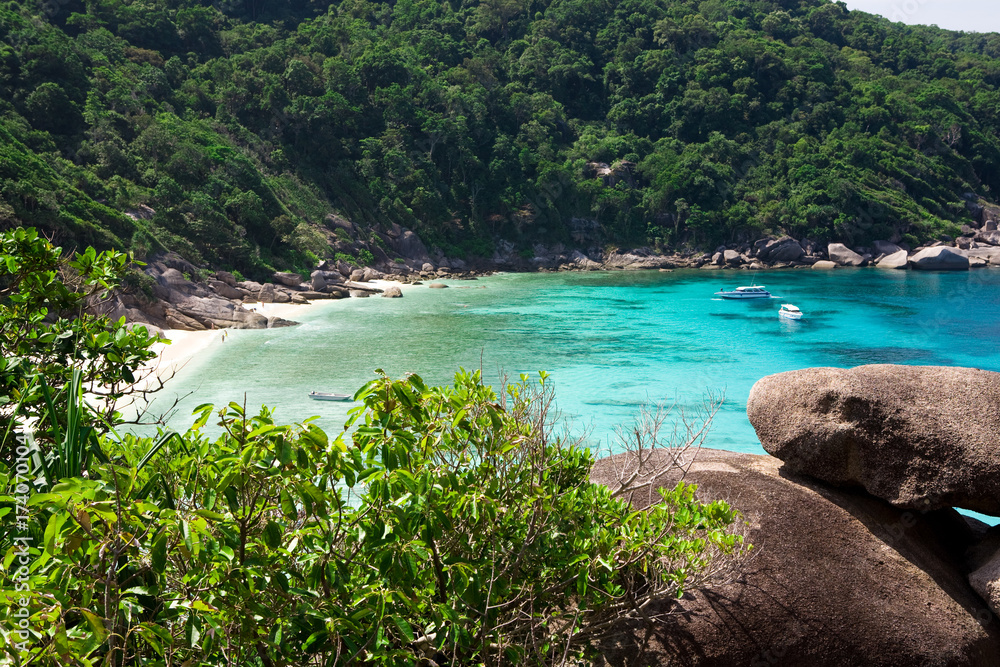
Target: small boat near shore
<point>327,396</point>
<point>789,312</point>
<point>748,292</point>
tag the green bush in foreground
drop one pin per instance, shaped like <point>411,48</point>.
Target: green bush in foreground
<point>446,524</point>
<point>47,337</point>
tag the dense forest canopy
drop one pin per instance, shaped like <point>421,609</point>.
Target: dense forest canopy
<point>234,128</point>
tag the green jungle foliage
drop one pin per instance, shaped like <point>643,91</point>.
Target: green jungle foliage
<point>242,124</point>
<point>52,349</point>
<point>442,523</point>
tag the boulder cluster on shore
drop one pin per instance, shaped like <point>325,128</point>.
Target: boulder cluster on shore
<point>859,555</point>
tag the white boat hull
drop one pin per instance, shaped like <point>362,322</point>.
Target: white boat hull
<point>790,316</point>
<point>741,295</point>
<point>320,396</point>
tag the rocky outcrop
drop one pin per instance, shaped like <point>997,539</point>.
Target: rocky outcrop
<point>639,258</point>
<point>583,262</point>
<point>824,264</point>
<point>989,236</point>
<point>919,437</point>
<point>392,292</point>
<point>896,260</point>
<point>266,293</point>
<point>836,577</point>
<point>225,290</point>
<point>939,258</point>
<point>287,279</point>
<point>843,256</point>
<point>362,287</point>
<point>786,249</point>
<point>409,245</point>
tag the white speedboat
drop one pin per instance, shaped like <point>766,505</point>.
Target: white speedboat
<point>789,312</point>
<point>326,396</point>
<point>751,292</point>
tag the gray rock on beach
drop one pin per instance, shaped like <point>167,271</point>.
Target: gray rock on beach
<point>991,237</point>
<point>836,577</point>
<point>785,249</point>
<point>919,437</point>
<point>940,258</point>
<point>844,256</point>
<point>287,279</point>
<point>392,292</point>
<point>226,277</point>
<point>225,290</point>
<point>824,264</point>
<point>896,260</point>
<point>266,293</point>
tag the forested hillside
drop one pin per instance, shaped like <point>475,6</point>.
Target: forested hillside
<point>234,128</point>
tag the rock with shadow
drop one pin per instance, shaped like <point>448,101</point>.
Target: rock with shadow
<point>919,437</point>
<point>836,577</point>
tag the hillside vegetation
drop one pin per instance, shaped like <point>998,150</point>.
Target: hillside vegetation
<point>241,125</point>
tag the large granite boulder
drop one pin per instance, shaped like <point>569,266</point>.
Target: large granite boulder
<point>287,279</point>
<point>410,246</point>
<point>844,256</point>
<point>896,260</point>
<point>317,281</point>
<point>836,577</point>
<point>989,236</point>
<point>582,261</point>
<point>920,437</point>
<point>216,313</point>
<point>226,277</point>
<point>266,293</point>
<point>785,249</point>
<point>178,320</point>
<point>392,292</point>
<point>940,258</point>
<point>732,258</point>
<point>824,264</point>
<point>986,253</point>
<point>225,290</point>
<point>371,274</point>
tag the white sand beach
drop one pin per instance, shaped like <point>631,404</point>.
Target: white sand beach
<point>186,345</point>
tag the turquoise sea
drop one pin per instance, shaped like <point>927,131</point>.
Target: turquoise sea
<point>611,341</point>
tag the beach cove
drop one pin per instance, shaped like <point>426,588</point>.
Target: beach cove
<point>612,341</point>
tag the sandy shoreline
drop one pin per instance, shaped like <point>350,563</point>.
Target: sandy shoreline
<point>184,346</point>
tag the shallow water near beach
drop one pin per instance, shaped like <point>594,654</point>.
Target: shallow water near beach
<point>611,341</point>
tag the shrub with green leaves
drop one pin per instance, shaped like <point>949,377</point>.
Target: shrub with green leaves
<point>46,334</point>
<point>443,523</point>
